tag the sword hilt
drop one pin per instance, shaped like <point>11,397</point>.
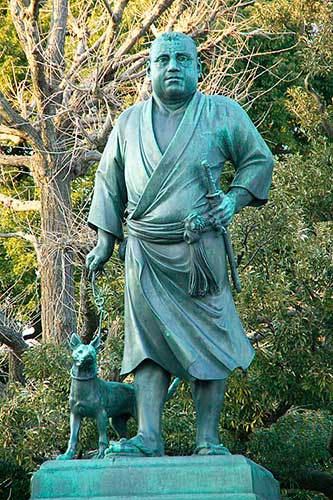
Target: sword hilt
<point>214,194</point>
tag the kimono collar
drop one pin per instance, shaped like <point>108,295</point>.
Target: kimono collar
<point>159,166</point>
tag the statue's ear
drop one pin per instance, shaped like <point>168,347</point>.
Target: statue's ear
<point>75,341</point>
<point>199,66</point>
<point>96,343</point>
<point>148,70</point>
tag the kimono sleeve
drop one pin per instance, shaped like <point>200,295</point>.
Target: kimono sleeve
<point>250,155</point>
<point>110,194</point>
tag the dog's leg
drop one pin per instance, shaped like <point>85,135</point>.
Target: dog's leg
<point>75,423</point>
<point>102,424</point>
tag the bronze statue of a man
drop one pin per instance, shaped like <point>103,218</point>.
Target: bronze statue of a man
<point>180,316</point>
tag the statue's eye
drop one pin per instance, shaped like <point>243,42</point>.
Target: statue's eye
<point>183,58</point>
<point>163,60</point>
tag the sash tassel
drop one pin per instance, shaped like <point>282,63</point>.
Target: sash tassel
<point>201,276</point>
<point>201,279</point>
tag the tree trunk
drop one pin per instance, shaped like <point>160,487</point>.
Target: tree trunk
<point>10,336</point>
<point>15,369</point>
<point>88,317</point>
<point>57,256</point>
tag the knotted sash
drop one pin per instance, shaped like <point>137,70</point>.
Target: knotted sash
<point>201,277</point>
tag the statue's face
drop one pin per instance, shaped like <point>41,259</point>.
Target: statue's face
<point>173,69</point>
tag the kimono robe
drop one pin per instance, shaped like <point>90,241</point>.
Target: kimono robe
<point>193,338</point>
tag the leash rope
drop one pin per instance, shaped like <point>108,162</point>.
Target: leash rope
<point>99,300</point>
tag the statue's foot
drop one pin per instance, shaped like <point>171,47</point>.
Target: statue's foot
<point>134,447</point>
<point>69,455</point>
<point>211,449</point>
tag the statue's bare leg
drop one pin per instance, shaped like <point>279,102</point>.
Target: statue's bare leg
<point>208,397</point>
<point>151,386</point>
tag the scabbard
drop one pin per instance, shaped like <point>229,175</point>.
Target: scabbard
<point>215,197</point>
<point>232,261</point>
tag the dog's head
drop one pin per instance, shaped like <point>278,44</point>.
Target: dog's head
<point>84,355</point>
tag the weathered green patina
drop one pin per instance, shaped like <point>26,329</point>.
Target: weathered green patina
<point>95,398</point>
<point>166,478</point>
<point>151,175</point>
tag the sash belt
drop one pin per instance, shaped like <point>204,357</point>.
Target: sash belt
<point>201,277</point>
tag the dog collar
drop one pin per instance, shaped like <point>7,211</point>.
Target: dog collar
<point>76,377</point>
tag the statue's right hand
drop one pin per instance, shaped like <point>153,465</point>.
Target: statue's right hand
<point>96,259</point>
<point>100,254</point>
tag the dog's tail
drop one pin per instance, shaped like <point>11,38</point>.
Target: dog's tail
<point>173,388</point>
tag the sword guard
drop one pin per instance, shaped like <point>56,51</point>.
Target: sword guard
<point>217,194</point>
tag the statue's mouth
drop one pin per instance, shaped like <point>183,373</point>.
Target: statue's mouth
<point>174,78</point>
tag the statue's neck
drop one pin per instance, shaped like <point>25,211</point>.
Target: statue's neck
<point>79,373</point>
<point>166,119</point>
<point>169,108</point>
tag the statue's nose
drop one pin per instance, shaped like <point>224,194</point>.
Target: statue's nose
<point>173,64</point>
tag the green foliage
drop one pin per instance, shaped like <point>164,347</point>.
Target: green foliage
<point>112,351</point>
<point>282,15</point>
<point>34,419</point>
<point>12,58</point>
<point>286,303</point>
<point>297,442</point>
<point>307,44</point>
<point>179,423</point>
<point>14,481</point>
<point>18,258</point>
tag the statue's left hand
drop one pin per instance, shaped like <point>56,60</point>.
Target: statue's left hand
<point>223,214</point>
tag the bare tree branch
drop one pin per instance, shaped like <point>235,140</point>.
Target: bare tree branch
<point>10,336</point>
<point>16,160</point>
<point>84,161</point>
<point>13,119</point>
<point>120,6</point>
<point>19,205</point>
<point>103,134</point>
<point>25,18</point>
<point>92,156</point>
<point>10,131</point>
<point>108,8</point>
<point>25,236</point>
<point>135,35</point>
<point>56,42</point>
<point>114,25</point>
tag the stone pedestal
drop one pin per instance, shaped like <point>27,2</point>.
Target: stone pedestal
<point>167,478</point>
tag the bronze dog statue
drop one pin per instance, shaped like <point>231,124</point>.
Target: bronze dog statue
<point>93,397</point>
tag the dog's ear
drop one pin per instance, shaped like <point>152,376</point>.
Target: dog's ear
<point>96,343</point>
<point>75,341</point>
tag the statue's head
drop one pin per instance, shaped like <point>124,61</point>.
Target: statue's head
<point>173,67</point>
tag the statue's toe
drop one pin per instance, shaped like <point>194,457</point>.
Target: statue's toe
<point>211,449</point>
<point>134,447</point>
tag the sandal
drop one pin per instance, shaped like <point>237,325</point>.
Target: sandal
<point>134,447</point>
<point>211,449</point>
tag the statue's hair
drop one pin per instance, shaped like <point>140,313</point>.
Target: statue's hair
<point>174,35</point>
